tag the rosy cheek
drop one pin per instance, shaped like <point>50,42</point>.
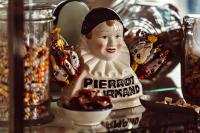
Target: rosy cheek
<point>119,46</point>
<point>101,46</point>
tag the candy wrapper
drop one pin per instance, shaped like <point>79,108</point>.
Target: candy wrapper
<point>148,54</point>
<point>65,64</point>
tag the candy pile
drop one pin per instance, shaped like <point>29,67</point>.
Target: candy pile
<point>3,78</point>
<point>88,99</point>
<point>65,63</point>
<point>148,53</point>
<point>36,75</point>
<point>181,103</point>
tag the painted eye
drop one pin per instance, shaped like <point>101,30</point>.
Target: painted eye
<point>117,36</point>
<point>104,37</point>
<point>138,56</point>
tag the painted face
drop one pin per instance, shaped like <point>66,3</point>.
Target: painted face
<point>106,41</point>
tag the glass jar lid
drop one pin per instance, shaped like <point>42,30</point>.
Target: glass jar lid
<point>38,11</point>
<point>32,11</point>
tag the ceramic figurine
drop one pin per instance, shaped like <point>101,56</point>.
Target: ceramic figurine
<point>106,60</point>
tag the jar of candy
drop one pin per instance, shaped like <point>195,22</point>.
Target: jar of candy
<point>153,36</point>
<point>38,25</point>
<point>3,65</point>
<point>190,64</point>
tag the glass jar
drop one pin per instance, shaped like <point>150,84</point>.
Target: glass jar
<point>190,64</point>
<point>153,36</point>
<point>4,96</point>
<point>38,25</point>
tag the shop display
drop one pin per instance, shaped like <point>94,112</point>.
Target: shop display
<point>100,80</point>
<point>105,61</point>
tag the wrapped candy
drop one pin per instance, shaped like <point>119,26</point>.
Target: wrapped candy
<point>36,73</point>
<point>65,65</point>
<point>4,90</point>
<point>148,54</point>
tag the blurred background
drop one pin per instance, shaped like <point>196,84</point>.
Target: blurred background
<point>184,6</point>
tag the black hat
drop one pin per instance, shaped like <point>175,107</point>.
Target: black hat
<point>97,16</point>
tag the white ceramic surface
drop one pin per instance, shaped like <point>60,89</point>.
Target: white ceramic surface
<point>86,118</point>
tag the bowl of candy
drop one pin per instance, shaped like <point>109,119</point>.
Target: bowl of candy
<point>87,108</point>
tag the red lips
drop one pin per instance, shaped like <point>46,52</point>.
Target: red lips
<point>111,50</point>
